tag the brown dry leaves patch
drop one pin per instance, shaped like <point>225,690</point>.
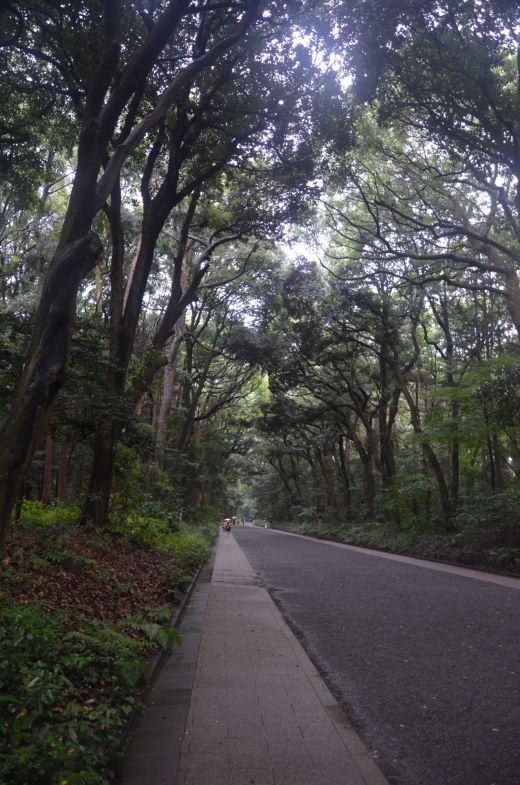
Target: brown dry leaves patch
<point>101,575</point>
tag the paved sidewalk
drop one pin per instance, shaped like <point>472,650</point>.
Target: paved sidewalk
<point>258,712</point>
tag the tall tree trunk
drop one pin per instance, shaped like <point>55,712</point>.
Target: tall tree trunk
<point>491,465</point>
<point>44,372</point>
<point>280,470</point>
<point>167,397</point>
<point>499,474</point>
<point>78,478</point>
<point>370,468</point>
<point>369,482</point>
<point>316,495</point>
<point>364,448</point>
<point>165,408</point>
<point>63,472</point>
<point>296,480</point>
<point>429,454</point>
<point>443,319</point>
<point>455,456</point>
<point>344,459</point>
<point>326,465</point>
<point>47,472</point>
<point>172,354</point>
<point>97,502</point>
<point>97,505</point>
<point>151,471</point>
<point>388,405</point>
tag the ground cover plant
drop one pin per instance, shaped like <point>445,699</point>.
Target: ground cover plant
<point>81,612</point>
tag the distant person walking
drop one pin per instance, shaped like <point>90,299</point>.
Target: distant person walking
<point>228,526</point>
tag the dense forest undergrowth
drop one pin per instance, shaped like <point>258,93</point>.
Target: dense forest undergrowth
<point>81,613</point>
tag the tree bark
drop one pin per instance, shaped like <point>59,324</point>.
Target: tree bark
<point>325,463</point>
<point>168,390</point>
<point>512,288</point>
<point>63,472</point>
<point>366,454</point>
<point>97,504</point>
<point>47,472</point>
<point>344,459</point>
<point>388,406</point>
<point>45,369</point>
<point>444,321</point>
<point>499,474</point>
<point>429,454</point>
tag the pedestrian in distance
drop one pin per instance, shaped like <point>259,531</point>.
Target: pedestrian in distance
<point>228,527</point>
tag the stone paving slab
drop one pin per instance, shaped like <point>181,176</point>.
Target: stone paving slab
<point>243,705</point>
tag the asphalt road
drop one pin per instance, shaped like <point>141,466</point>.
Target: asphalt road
<point>425,663</point>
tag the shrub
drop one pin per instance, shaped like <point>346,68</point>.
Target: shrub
<point>189,543</point>
<point>58,514</point>
<point>66,694</point>
<point>489,512</point>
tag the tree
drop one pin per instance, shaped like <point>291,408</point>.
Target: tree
<point>134,104</point>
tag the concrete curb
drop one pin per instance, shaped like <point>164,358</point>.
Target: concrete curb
<point>154,739</point>
<point>178,613</point>
<point>156,663</point>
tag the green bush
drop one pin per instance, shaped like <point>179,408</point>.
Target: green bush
<point>57,514</point>
<point>406,500</point>
<point>190,544</point>
<point>482,511</point>
<point>65,696</point>
<point>207,515</point>
<point>68,683</point>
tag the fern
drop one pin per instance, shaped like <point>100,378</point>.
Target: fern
<point>154,633</point>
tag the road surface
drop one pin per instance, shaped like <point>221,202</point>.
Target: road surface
<point>426,663</point>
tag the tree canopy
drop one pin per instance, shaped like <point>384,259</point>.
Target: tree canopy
<point>275,242</point>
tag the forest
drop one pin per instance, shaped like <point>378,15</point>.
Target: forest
<point>257,259</point>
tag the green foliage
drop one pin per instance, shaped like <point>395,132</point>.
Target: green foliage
<point>54,515</point>
<point>495,512</point>
<point>500,396</point>
<point>206,516</point>
<point>154,629</point>
<point>14,333</point>
<point>166,509</point>
<point>190,544</point>
<point>66,694</point>
<point>160,501</point>
<point>68,683</point>
<point>406,499</point>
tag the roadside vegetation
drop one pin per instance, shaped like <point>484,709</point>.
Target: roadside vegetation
<point>81,614</point>
<point>487,538</point>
